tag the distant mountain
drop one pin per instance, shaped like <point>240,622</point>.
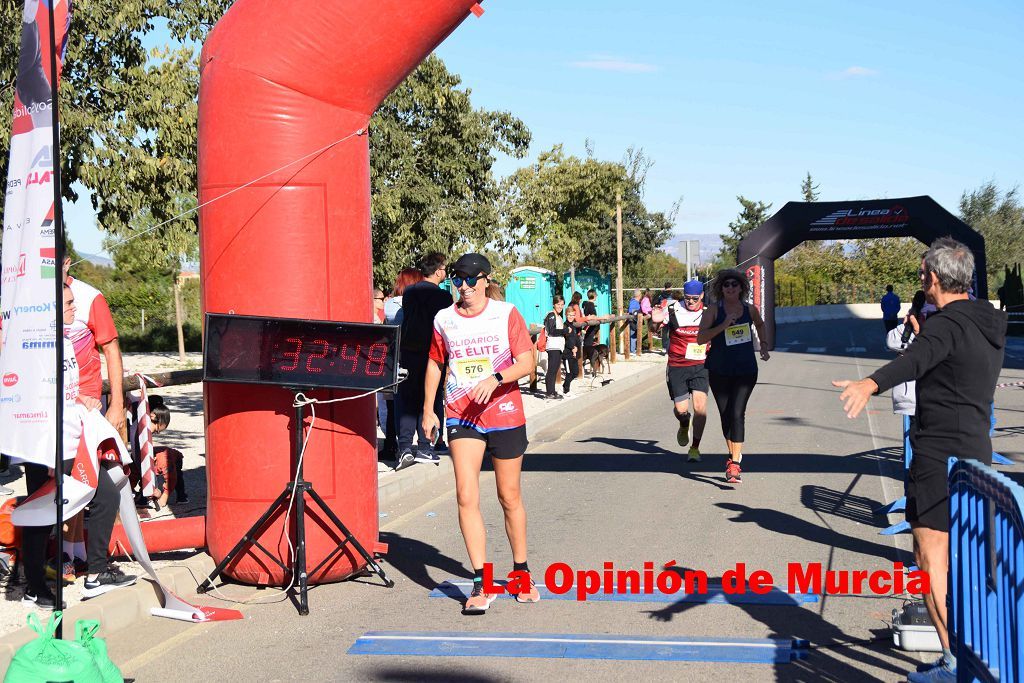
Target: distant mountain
<point>710,244</point>
<point>97,260</point>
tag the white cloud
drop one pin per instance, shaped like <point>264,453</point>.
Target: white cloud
<point>855,72</point>
<point>602,63</point>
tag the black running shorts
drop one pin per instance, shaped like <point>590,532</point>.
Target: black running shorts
<point>503,444</point>
<point>683,381</point>
<point>928,493</point>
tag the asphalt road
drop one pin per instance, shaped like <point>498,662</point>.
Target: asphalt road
<point>611,486</point>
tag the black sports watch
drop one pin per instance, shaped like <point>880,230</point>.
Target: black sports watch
<point>498,377</point>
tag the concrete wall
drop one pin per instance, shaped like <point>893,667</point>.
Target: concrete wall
<point>804,314</point>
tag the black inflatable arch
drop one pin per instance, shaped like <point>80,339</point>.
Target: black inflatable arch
<point>796,222</point>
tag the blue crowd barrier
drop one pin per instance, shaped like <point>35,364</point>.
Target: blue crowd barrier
<point>901,503</point>
<point>997,458</point>
<point>986,591</point>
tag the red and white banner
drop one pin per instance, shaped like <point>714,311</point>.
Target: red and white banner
<point>28,311</point>
<point>174,607</point>
<point>93,436</point>
<point>100,442</point>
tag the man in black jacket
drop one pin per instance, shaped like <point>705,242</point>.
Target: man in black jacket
<point>420,303</point>
<point>956,361</point>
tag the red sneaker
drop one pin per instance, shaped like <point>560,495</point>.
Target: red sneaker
<point>733,473</point>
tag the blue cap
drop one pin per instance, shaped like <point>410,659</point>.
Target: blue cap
<point>693,287</point>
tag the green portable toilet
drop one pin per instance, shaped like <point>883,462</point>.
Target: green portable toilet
<point>588,278</point>
<point>531,290</point>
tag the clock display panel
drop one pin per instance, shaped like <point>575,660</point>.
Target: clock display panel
<point>291,352</point>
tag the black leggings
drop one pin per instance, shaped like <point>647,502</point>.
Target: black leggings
<point>35,538</point>
<point>554,365</point>
<point>572,369</point>
<point>100,525</point>
<point>731,393</point>
<point>102,511</point>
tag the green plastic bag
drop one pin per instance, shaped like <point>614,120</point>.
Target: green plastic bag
<point>85,633</point>
<point>48,659</point>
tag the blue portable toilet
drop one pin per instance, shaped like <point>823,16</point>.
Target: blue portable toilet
<point>588,278</point>
<point>531,290</point>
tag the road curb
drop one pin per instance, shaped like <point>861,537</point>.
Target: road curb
<point>117,609</point>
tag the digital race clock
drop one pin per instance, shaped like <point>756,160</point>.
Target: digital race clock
<point>315,354</point>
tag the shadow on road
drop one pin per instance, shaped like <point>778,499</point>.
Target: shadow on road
<point>821,664</point>
<point>843,504</point>
<point>646,455</point>
<point>415,559</point>
<point>789,525</point>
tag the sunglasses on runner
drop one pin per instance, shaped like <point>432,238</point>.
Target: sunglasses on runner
<point>691,298</point>
<point>470,280</point>
<point>730,283</point>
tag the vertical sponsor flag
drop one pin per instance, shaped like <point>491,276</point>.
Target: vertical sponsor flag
<point>27,306</point>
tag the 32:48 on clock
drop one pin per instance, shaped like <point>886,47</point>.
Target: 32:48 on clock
<point>300,353</point>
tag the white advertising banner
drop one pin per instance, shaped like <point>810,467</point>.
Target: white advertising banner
<point>28,311</point>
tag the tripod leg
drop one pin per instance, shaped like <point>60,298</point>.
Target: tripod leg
<point>300,551</point>
<point>246,541</point>
<point>350,539</point>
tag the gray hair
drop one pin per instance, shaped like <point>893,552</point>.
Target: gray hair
<point>953,264</point>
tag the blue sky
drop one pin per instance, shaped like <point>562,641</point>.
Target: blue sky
<point>875,99</point>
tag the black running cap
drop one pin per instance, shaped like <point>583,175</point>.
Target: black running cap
<point>471,265</point>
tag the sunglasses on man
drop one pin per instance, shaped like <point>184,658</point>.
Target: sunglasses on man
<point>687,297</point>
<point>470,280</point>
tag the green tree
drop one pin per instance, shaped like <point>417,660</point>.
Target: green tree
<point>128,116</point>
<point>562,210</point>
<point>809,189</point>
<point>431,179</point>
<point>655,269</point>
<point>999,217</point>
<point>751,216</point>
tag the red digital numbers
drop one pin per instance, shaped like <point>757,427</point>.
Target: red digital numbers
<point>375,359</point>
<point>354,356</point>
<point>294,355</point>
<point>321,354</point>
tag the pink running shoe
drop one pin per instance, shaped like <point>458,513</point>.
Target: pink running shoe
<point>531,595</point>
<point>733,473</point>
<point>478,601</point>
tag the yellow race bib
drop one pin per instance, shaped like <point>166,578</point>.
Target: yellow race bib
<point>471,371</point>
<point>696,351</point>
<point>737,334</point>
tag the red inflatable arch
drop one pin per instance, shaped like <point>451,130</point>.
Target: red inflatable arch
<point>280,80</point>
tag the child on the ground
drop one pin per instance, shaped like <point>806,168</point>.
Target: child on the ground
<point>167,462</point>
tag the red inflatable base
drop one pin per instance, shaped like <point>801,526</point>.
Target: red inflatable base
<point>163,536</point>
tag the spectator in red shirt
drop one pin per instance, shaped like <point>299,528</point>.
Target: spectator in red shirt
<point>91,333</point>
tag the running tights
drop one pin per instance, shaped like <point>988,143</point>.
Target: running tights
<point>731,393</point>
